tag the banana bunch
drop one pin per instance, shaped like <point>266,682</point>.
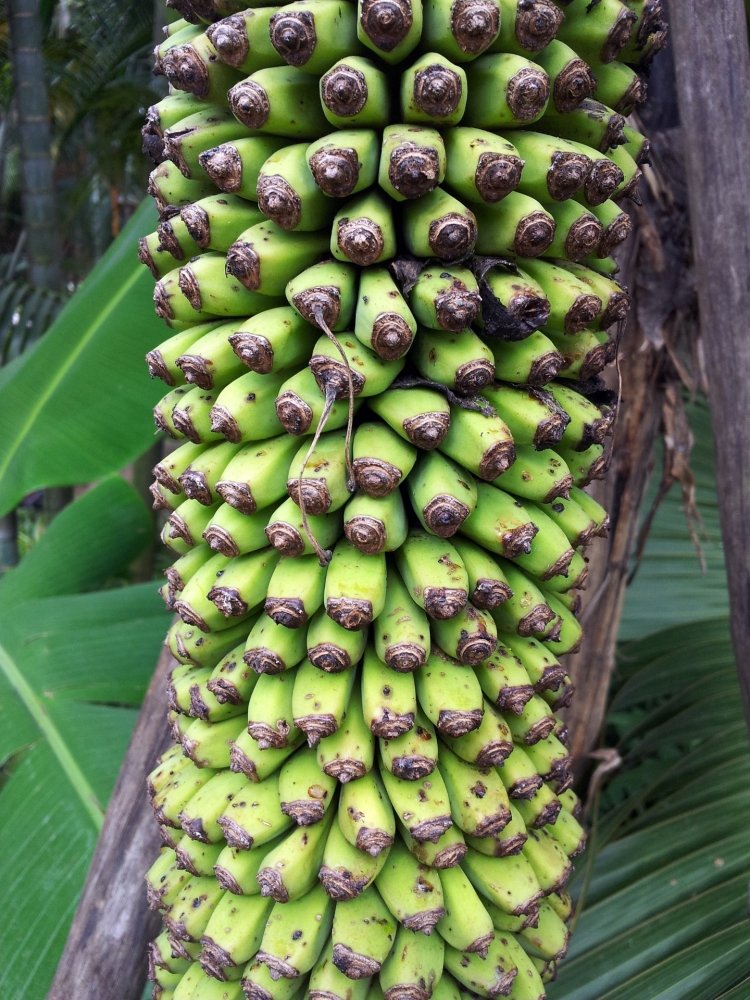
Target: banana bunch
<point>384,256</point>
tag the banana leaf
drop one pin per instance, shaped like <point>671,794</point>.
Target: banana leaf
<point>77,650</point>
<point>77,405</point>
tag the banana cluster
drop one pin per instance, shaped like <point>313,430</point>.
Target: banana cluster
<point>385,258</point>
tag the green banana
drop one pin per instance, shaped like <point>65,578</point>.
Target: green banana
<point>170,800</point>
<point>196,68</point>
<point>328,983</point>
<point>300,405</point>
<point>269,712</point>
<point>549,939</point>
<point>180,681</point>
<point>236,869</point>
<point>619,87</point>
<point>164,881</point>
<point>500,524</point>
<point>187,986</point>
<point>313,34</point>
<point>401,631</point>
<point>535,360</point>
<point>205,705</point>
<point>327,292</point>
<point>460,361</point>
<point>568,833</point>
<point>572,803</point>
<point>295,591</point>
<point>162,360</point>
<point>178,725</point>
<point>170,189</point>
<point>189,645</point>
<point>280,100</point>
<point>198,480</point>
<point>616,226</point>
<point>588,424</point>
<point>562,904</point>
<point>389,700</point>
<point>433,90</point>
<point>242,40</point>
<point>575,522</point>
<point>509,882</point>
<point>550,863</point>
<point>584,354</point>
<point>460,31</point>
<point>265,257</point>
<point>364,231</point>
<point>259,984</point>
<point>561,696</point>
<point>242,581</point>
<point>167,765</point>
<point>578,232</point>
<point>412,161</point>
<point>522,297</point>
<point>541,809</point>
<point>585,466</point>
<point>590,123</point>
<point>354,92</point>
<point>355,586</point>
<point>381,458</point>
<point>534,723</point>
<point>507,843</point>
<point>190,912</point>
<point>571,79</point>
<point>570,635</point>
<point>365,815</point>
<point>470,637</point>
<point>446,853</point>
<point>517,225</point>
<point>446,299</point>
<point>194,605</point>
<point>369,373</point>
<point>234,166</point>
<point>320,699</point>
<point>173,306</point>
<point>544,671</point>
<point>272,648</point>
<point>246,409</point>
<point>442,494</point>
<point>216,222</point>
<point>207,744</point>
<point>210,362</point>
<point>554,168</point>
<point>599,32</point>
<point>449,694</point>
<point>208,281</point>
<point>235,930</point>
<point>189,137</point>
<point>346,872</point>
<point>593,509</point>
<point>527,612</point>
<point>527,26</point>
<point>306,793</point>
<point>344,163</point>
<point>533,415</point>
<point>362,934</point>
<point>290,870</point>
<point>247,758</point>
<point>481,442</point>
<point>233,533</point>
<point>255,817</point>
<point>487,746</point>
<point>172,108</point>
<point>414,966</point>
<point>413,755</point>
<point>174,237</point>
<point>420,416</point>
<point>376,524</point>
<point>550,757</point>
<point>504,680</point>
<point>506,91</point>
<point>229,682</point>
<point>481,167</point>
<point>286,530</point>
<point>613,296</point>
<point>296,933</point>
<point>332,648</point>
<point>256,476</point>
<point>191,415</point>
<point>434,574</point>
<point>349,753</point>
<point>390,28</point>
<point>439,225</point>
<point>479,801</point>
<point>321,481</point>
<point>413,894</point>
<point>287,192</point>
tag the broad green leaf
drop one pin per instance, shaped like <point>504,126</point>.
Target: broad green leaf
<point>73,670</point>
<point>77,406</point>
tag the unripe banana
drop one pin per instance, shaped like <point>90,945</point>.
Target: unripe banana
<point>194,605</point>
<point>173,236</point>
<point>230,682</point>
<point>549,939</point>
<point>365,815</point>
<point>254,817</point>
<point>466,926</point>
<point>314,35</point>
<point>195,67</point>
<point>332,648</point>
<point>504,680</point>
<point>170,800</point>
<point>535,360</point>
<point>413,755</point>
<point>412,161</point>
<point>198,480</point>
<point>414,966</point>
<point>235,930</point>
<point>208,744</point>
<point>479,801</point>
<point>517,225</point>
<point>438,225</point>
<point>541,809</point>
<point>445,298</point>
<point>376,524</point>
<point>549,861</point>
<point>295,591</point>
<point>401,631</point>
<point>280,100</point>
<point>236,869</point>
<point>242,40</point>
<point>554,168</point>
<point>256,476</point>
<point>191,415</point>
<point>170,189</point>
<point>500,524</point>
<point>354,92</point>
<point>163,499</point>
<point>189,645</point>
<point>616,226</point>
<point>327,290</point>
<point>470,637</point>
<point>234,166</point>
<point>344,163</point>
<point>172,108</point>
<point>491,975</point>
<point>578,232</point>
<point>442,494</point>
<point>434,574</point>
<point>216,222</point>
<point>264,258</point>
<point>534,723</point>
<point>522,298</point>
<point>320,482</point>
<point>164,881</point>
<point>180,681</point>
<point>570,635</point>
<point>578,526</point>
<point>320,700</point>
<point>346,872</point>
<point>588,424</point>
<point>449,694</point>
<point>421,416</point>
<point>561,696</point>
<point>370,374</point>
<point>242,580</point>
<point>168,764</point>
<point>383,322</point>
<point>413,894</point>
<point>259,984</point>
<point>162,360</point>
<point>527,612</point>
<point>593,509</point>
<point>571,79</point>
<point>194,977</point>
<point>507,843</point>
<point>173,306</point>
<point>210,362</point>
<point>506,91</point>
<point>270,714</point>
<point>160,958</point>
<point>355,586</point>
<point>362,934</point>
<point>287,952</point>
<point>247,758</point>
<point>487,746</point>
<point>178,725</point>
<point>585,466</point>
<point>487,584</point>
<point>390,28</point>
<point>288,193</point>
<point>300,405</point>
<point>364,231</point>
<point>350,752</point>
<point>328,983</point>
<point>214,281</point>
<point>569,834</point>
<point>584,354</point>
<point>205,705</point>
<point>590,123</point>
<point>615,299</point>
<point>273,648</point>
<point>482,167</point>
<point>188,138</point>
<point>305,792</point>
<point>480,442</point>
<point>233,533</point>
<point>533,415</point>
<point>600,32</point>
<point>389,700</point>
<point>381,459</point>
<point>286,530</point>
<point>508,882</point>
<point>460,31</point>
<point>461,361</point>
<point>433,90</point>
<point>544,671</point>
<point>551,758</point>
<point>447,853</point>
<point>190,912</point>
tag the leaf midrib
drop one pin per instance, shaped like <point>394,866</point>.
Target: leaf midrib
<point>43,397</point>
<point>53,736</point>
